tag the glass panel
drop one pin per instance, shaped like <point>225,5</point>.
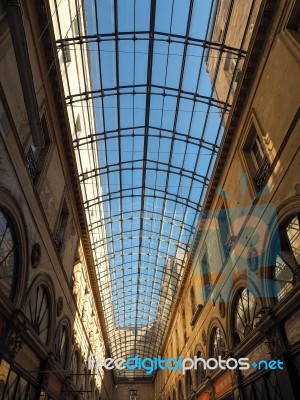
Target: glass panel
<point>286,271</point>
<point>293,233</point>
<point>246,315</point>
<point>8,255</point>
<point>217,343</point>
<point>37,311</point>
<point>11,386</point>
<point>60,347</point>
<point>151,139</point>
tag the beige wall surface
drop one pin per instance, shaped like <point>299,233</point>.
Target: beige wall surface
<point>272,106</point>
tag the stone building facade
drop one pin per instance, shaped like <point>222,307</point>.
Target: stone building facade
<point>241,297</point>
<point>48,313</point>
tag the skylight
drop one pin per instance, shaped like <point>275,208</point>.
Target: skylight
<point>151,131</point>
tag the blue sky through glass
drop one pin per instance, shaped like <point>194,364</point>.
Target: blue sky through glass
<point>158,136</point>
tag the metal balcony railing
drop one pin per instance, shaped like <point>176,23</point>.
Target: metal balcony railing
<point>32,165</point>
<point>262,173</point>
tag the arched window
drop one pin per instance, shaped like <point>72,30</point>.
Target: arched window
<point>200,371</point>
<point>184,326</point>
<point>92,389</point>
<point>287,263</point>
<point>217,343</point>
<point>75,367</point>
<point>8,255</point>
<point>174,395</point>
<point>177,343</point>
<point>171,349</point>
<point>61,344</point>
<point>246,315</point>
<point>38,312</point>
<point>193,300</point>
<point>180,392</point>
<point>133,394</point>
<point>87,384</point>
<point>188,383</point>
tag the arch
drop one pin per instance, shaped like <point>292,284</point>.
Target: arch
<point>245,314</point>
<point>41,294</point>
<point>216,340</point>
<point>188,383</point>
<point>174,395</point>
<point>183,316</point>
<point>200,372</point>
<point>62,342</point>
<point>75,366</point>
<point>180,391</point>
<point>91,387</point>
<point>193,300</point>
<point>283,257</point>
<point>15,273</point>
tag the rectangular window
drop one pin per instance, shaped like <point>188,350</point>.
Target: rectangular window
<point>256,157</point>
<point>184,326</point>
<point>223,221</point>
<point>206,276</point>
<point>257,152</point>
<point>133,394</point>
<point>227,61</point>
<point>36,157</point>
<point>234,70</point>
<point>66,54</point>
<point>293,24</point>
<point>261,162</point>
<point>61,226</point>
<point>31,163</point>
<point>76,25</point>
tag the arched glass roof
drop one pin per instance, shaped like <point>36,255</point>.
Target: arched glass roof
<point>152,130</point>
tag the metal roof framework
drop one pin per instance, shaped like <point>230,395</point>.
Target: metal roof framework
<point>158,130</point>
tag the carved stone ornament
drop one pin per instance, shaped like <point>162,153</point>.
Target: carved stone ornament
<point>252,259</point>
<point>59,306</point>
<point>204,337</point>
<point>35,255</point>
<point>222,308</point>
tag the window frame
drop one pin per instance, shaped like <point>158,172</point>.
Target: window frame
<point>28,311</point>
<point>133,394</point>
<point>206,277</point>
<point>258,172</point>
<point>61,226</point>
<point>292,20</point>
<point>37,158</point>
<point>247,313</point>
<point>193,300</point>
<point>213,334</point>
<point>223,215</point>
<point>290,263</point>
<point>63,345</point>
<point>11,225</point>
<point>200,372</point>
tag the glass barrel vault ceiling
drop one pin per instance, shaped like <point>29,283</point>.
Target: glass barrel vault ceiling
<point>154,130</point>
